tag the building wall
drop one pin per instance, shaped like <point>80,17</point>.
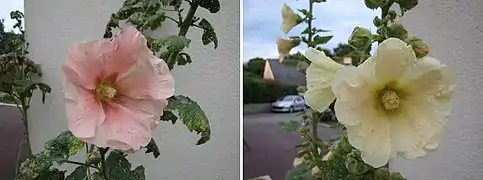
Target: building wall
<point>454,30</point>
<point>212,80</point>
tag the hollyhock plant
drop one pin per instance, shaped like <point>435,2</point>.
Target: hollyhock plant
<point>115,90</point>
<point>284,46</point>
<point>393,104</point>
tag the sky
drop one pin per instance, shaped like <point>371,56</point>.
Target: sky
<point>262,23</point>
<point>6,7</point>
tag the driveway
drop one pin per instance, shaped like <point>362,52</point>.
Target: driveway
<point>272,151</point>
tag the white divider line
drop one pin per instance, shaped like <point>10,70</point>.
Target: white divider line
<point>266,177</point>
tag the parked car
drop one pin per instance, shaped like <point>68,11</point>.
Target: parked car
<point>289,103</point>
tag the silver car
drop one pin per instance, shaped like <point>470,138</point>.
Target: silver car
<point>289,103</point>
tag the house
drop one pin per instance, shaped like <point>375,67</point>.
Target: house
<point>276,71</point>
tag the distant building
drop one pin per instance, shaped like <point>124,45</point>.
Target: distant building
<point>276,71</point>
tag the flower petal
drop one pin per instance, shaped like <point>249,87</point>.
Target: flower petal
<point>149,79</point>
<point>393,57</point>
<point>290,19</point>
<point>83,64</point>
<point>319,58</point>
<point>84,113</point>
<point>376,144</point>
<point>355,96</point>
<point>126,126</point>
<point>149,108</point>
<point>427,77</point>
<point>128,45</point>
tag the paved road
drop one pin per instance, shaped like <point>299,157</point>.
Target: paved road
<point>11,134</point>
<point>272,151</point>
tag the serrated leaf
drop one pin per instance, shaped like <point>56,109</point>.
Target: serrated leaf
<point>79,173</point>
<point>168,116</point>
<point>211,5</point>
<point>191,115</point>
<point>208,37</point>
<point>174,42</point>
<point>184,59</point>
<point>152,147</point>
<point>301,172</point>
<point>306,31</point>
<point>322,39</point>
<point>63,146</point>
<point>289,126</point>
<point>119,168</point>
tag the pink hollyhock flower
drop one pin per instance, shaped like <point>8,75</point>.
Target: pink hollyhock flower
<point>115,90</point>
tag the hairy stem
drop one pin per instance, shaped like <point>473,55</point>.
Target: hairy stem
<point>103,152</point>
<point>87,159</point>
<point>189,18</point>
<point>309,22</point>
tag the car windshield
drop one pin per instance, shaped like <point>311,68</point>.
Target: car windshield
<point>287,98</point>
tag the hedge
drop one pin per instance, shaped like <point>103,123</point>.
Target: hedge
<point>257,90</point>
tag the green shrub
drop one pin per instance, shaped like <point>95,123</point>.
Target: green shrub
<point>257,90</point>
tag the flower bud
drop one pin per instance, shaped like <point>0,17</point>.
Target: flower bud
<point>392,14</point>
<point>316,172</point>
<point>397,30</point>
<point>355,165</point>
<point>344,144</point>
<point>377,22</point>
<point>420,47</point>
<point>374,4</point>
<point>329,156</point>
<point>360,38</point>
<point>407,4</point>
<point>298,162</point>
<point>289,19</point>
<point>94,157</point>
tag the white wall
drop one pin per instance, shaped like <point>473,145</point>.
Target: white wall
<point>454,30</point>
<point>212,80</point>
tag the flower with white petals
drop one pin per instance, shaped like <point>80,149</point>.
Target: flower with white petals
<point>290,19</point>
<point>393,104</point>
<point>319,75</point>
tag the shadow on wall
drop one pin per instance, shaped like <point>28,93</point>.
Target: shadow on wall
<point>11,135</point>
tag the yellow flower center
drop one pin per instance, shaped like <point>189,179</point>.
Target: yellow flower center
<point>105,91</point>
<point>390,100</point>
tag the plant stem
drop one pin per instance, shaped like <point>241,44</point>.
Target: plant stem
<point>103,152</point>
<point>87,159</point>
<point>189,18</point>
<point>309,22</point>
<point>82,164</point>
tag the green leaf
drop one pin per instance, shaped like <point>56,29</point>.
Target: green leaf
<point>152,148</point>
<point>174,42</point>
<point>192,116</point>
<point>80,173</point>
<point>302,172</point>
<point>289,126</point>
<point>119,168</point>
<point>183,59</point>
<point>208,37</point>
<point>155,21</point>
<point>211,5</point>
<point>35,167</point>
<point>63,146</point>
<point>44,88</point>
<point>322,39</point>
<point>304,11</point>
<point>206,25</point>
<point>168,116</point>
<point>306,31</point>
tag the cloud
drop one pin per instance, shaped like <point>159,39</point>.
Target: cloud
<point>262,21</point>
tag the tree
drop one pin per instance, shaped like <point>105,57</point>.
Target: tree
<point>255,66</point>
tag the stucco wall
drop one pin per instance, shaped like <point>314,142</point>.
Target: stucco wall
<point>454,30</point>
<point>212,80</point>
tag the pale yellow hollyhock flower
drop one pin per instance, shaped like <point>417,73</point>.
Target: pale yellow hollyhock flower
<point>319,75</point>
<point>284,46</point>
<point>290,19</point>
<point>394,104</point>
